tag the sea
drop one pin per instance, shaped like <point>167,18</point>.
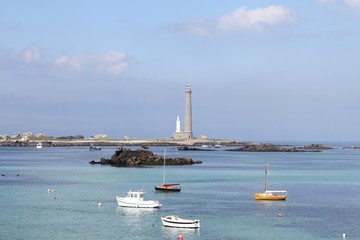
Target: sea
<point>323,190</point>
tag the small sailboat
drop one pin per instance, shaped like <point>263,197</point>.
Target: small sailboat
<point>274,195</point>
<point>174,187</point>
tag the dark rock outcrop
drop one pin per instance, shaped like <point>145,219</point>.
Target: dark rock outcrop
<point>266,147</point>
<point>124,157</point>
<point>318,146</point>
<point>19,143</point>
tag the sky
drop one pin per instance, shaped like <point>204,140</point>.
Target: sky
<point>259,70</point>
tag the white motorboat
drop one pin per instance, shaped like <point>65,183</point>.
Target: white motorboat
<point>39,145</point>
<point>136,200</point>
<point>177,222</point>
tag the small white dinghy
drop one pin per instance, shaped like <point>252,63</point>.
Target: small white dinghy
<point>177,222</point>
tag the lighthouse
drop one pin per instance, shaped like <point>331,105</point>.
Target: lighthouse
<point>187,133</point>
<point>188,113</point>
<point>177,125</point>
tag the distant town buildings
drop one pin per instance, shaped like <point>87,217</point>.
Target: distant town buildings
<point>187,133</point>
<point>100,136</point>
<point>24,137</point>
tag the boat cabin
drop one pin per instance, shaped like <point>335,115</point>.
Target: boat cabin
<point>138,196</point>
<point>276,192</point>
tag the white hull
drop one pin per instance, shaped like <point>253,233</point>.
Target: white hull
<point>176,222</point>
<point>126,202</point>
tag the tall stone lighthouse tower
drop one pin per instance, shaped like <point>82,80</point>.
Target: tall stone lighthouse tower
<point>188,114</point>
<point>187,133</point>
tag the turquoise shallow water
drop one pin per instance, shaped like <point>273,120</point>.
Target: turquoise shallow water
<point>323,195</point>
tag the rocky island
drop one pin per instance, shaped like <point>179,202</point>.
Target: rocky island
<point>124,157</point>
<point>268,147</point>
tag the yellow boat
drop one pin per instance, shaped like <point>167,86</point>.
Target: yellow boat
<point>271,195</point>
<point>278,195</point>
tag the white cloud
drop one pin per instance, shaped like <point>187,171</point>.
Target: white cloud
<point>31,61</point>
<point>112,63</point>
<point>241,19</point>
<point>353,3</point>
<point>256,19</point>
<point>31,54</point>
<point>197,27</point>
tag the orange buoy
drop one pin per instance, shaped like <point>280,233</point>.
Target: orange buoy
<point>180,237</point>
<point>279,215</point>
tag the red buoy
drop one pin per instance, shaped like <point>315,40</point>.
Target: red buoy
<point>279,215</point>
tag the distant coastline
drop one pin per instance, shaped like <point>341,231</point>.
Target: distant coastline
<point>115,142</point>
<point>185,145</point>
<point>202,143</point>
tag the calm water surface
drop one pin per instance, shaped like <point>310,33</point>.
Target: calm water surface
<point>323,195</point>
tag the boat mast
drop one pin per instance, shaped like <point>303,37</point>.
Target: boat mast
<point>265,175</point>
<point>164,167</point>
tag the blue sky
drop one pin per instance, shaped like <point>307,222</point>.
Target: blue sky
<point>259,70</point>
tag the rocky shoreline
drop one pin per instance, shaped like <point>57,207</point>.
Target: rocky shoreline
<point>188,145</point>
<point>267,147</point>
<point>124,157</point>
<point>110,142</point>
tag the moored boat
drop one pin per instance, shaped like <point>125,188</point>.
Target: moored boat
<point>274,195</point>
<point>177,222</point>
<point>39,145</point>
<point>175,187</point>
<point>171,187</point>
<point>95,148</point>
<point>218,145</point>
<point>271,195</point>
<point>136,200</point>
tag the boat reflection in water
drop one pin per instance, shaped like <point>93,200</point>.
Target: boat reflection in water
<point>135,212</point>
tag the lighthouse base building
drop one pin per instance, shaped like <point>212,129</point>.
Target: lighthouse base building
<point>182,136</point>
<point>187,133</point>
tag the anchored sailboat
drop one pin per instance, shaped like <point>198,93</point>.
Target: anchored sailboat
<point>277,195</point>
<point>175,187</point>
